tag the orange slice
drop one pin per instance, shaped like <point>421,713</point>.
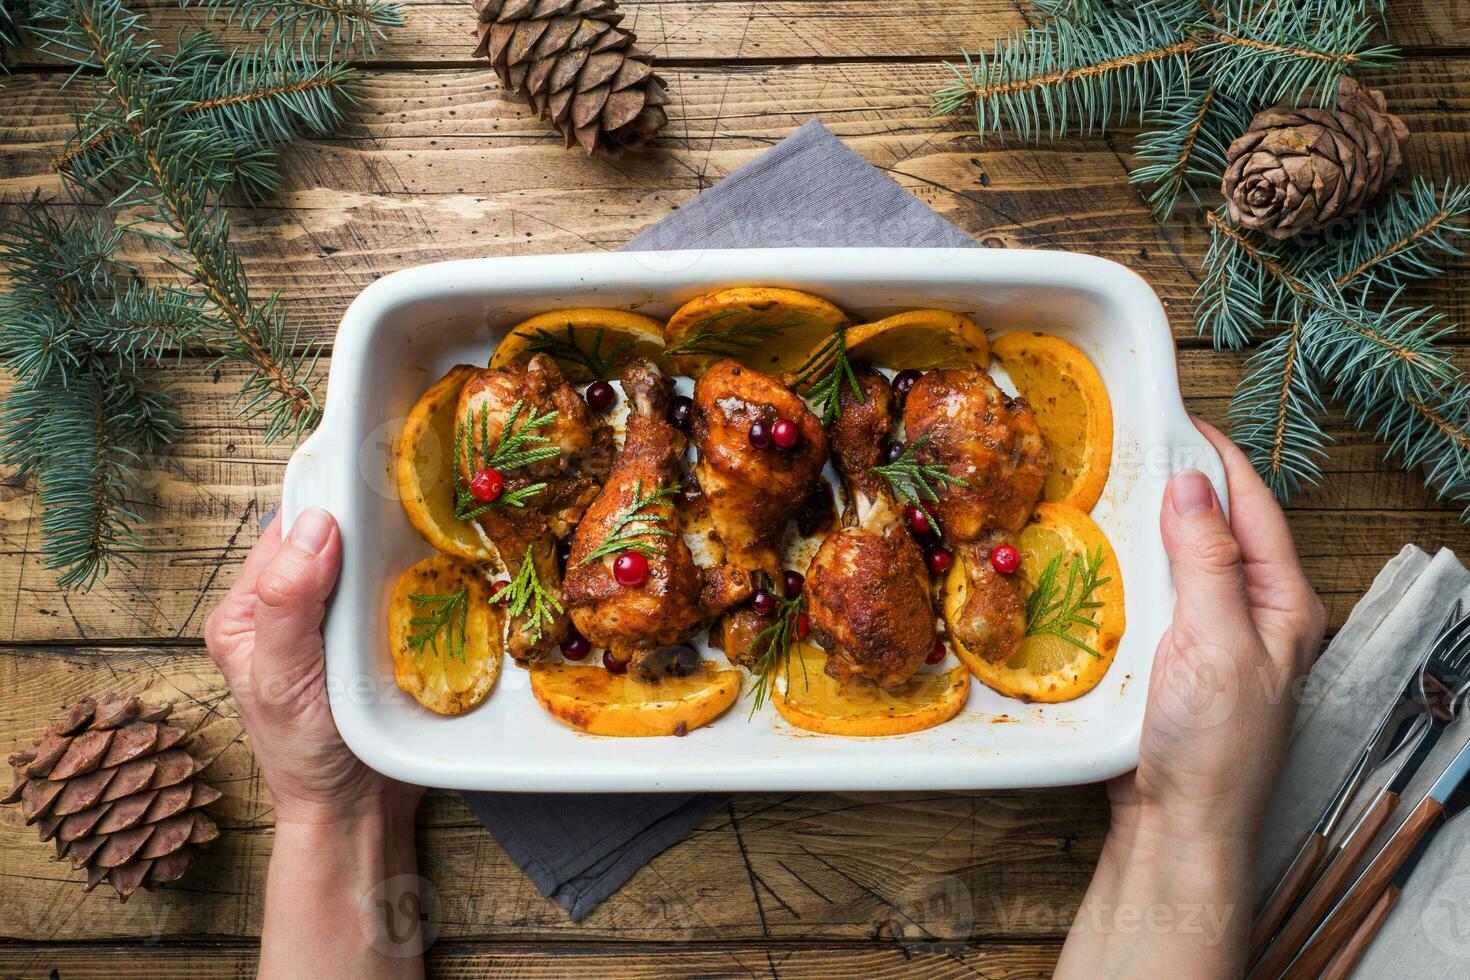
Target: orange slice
<point>424,465</point>
<point>444,634</point>
<point>1049,666</point>
<point>922,339</point>
<point>809,699</point>
<point>764,327</point>
<point>1072,408</point>
<point>593,700</point>
<point>587,344</point>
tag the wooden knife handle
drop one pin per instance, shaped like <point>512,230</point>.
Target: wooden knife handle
<point>1352,951</point>
<point>1360,900</point>
<point>1327,890</point>
<point>1290,888</point>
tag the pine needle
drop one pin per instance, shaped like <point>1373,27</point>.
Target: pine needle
<point>826,372</point>
<point>776,655</point>
<point>567,348</point>
<point>1054,610</point>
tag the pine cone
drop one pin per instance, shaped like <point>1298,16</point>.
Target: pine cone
<point>115,787</point>
<point>1300,167</point>
<point>575,66</point>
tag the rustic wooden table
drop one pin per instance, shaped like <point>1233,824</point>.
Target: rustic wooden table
<point>440,164</point>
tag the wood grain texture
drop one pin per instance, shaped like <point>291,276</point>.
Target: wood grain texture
<point>440,164</point>
<point>878,961</point>
<point>800,867</point>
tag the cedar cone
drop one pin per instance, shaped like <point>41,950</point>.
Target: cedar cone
<point>571,61</point>
<point>115,787</point>
<point>1300,167</point>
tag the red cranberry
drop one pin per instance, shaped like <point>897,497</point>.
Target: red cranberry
<point>904,380</point>
<point>785,434</point>
<point>576,648</point>
<point>791,583</point>
<point>939,559</point>
<point>630,569</point>
<point>763,602</point>
<point>893,452</point>
<point>937,654</point>
<point>613,664</point>
<point>1005,559</point>
<point>498,587</point>
<point>917,520</point>
<point>681,414</point>
<point>601,395</point>
<point>486,485</point>
<point>803,626</point>
<point>760,435</point>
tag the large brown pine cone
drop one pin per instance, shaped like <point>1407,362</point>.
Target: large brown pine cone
<point>575,66</point>
<point>1300,167</point>
<point>115,787</point>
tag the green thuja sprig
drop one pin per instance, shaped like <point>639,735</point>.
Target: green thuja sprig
<point>918,483</point>
<point>527,597</point>
<point>623,535</point>
<point>520,445</point>
<point>445,616</point>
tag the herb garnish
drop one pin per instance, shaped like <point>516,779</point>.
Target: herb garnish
<point>598,364</point>
<point>526,596</point>
<point>447,614</point>
<point>518,447</point>
<point>738,337</point>
<point>621,538</point>
<point>824,373</point>
<point>1053,612</point>
<point>914,482</point>
<point>777,654</point>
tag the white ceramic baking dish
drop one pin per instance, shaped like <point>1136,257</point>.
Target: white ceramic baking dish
<point>405,330</point>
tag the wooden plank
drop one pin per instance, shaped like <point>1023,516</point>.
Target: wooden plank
<point>995,961</point>
<point>799,866</point>
<point>437,32</point>
<point>442,165</point>
<point>206,499</point>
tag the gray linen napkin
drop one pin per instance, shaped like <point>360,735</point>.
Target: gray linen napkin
<point>808,190</point>
<point>1362,671</point>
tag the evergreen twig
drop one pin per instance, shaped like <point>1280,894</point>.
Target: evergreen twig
<point>774,642</point>
<point>635,525</point>
<point>1054,609</point>
<point>441,614</point>
<point>527,597</point>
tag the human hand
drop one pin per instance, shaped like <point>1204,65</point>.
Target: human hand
<point>1246,624</point>
<point>265,637</point>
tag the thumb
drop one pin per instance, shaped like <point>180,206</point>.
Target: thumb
<point>1205,557</point>
<point>290,601</point>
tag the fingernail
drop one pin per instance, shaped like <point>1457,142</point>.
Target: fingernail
<point>1191,493</point>
<point>311,530</point>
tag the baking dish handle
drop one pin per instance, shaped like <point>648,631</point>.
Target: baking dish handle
<point>305,484</point>
<point>1190,450</point>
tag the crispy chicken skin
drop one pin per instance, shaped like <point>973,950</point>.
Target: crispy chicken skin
<point>679,596</point>
<point>868,598</point>
<point>984,437</point>
<point>867,589</point>
<point>752,492</point>
<point>992,622</point>
<point>572,478</point>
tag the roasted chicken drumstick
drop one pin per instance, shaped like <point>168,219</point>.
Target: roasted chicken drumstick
<point>867,590</point>
<point>960,420</point>
<point>637,623</point>
<point>571,477</point>
<point>752,492</point>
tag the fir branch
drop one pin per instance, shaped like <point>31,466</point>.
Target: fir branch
<point>442,614</point>
<point>519,445</point>
<point>917,483</point>
<point>1184,142</point>
<point>776,655</point>
<point>1276,414</point>
<point>1052,610</point>
<point>1068,75</point>
<point>826,372</point>
<point>12,27</point>
<point>526,597</point>
<point>158,169</point>
<point>598,364</point>
<point>1401,241</point>
<point>315,27</point>
<point>623,536</point>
